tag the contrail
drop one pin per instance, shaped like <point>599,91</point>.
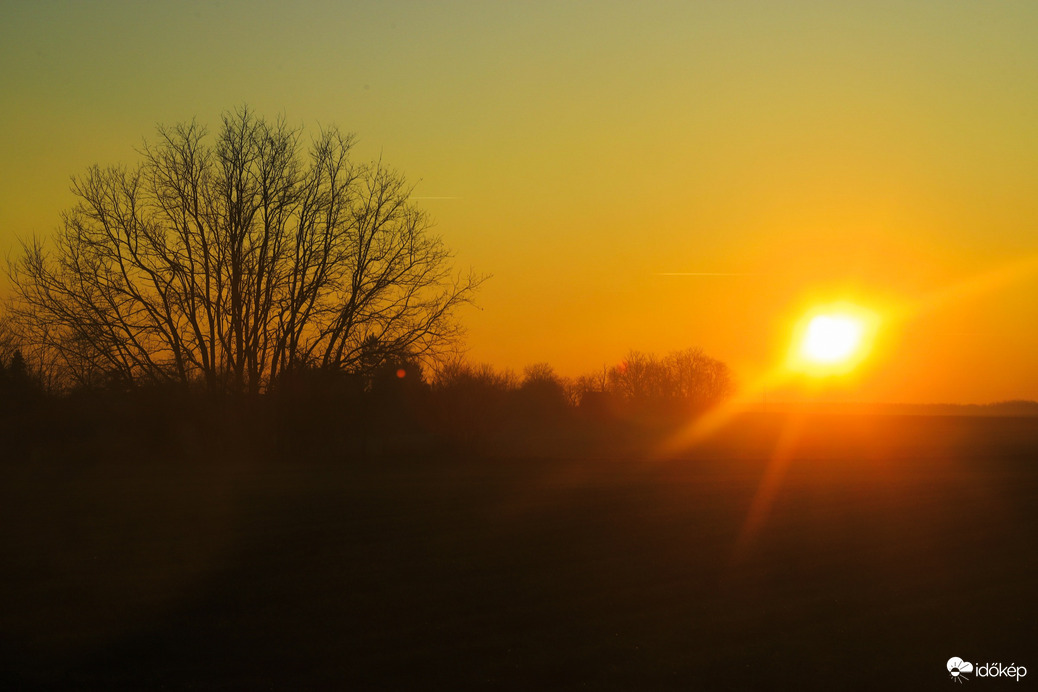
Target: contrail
<point>705,274</point>
<point>436,198</point>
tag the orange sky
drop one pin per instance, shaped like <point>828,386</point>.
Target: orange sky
<point>800,152</point>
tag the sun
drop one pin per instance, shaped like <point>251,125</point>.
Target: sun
<point>832,339</point>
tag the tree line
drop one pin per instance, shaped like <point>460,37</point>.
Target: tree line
<point>262,260</point>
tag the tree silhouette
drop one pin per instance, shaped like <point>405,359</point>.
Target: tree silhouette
<point>542,392</point>
<point>680,381</point>
<point>18,389</point>
<point>233,260</point>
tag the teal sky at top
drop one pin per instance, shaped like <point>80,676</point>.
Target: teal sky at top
<point>883,148</point>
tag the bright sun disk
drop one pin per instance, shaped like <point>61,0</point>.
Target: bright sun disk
<point>832,338</point>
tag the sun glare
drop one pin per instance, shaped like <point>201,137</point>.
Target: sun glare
<point>832,338</point>
<point>832,341</point>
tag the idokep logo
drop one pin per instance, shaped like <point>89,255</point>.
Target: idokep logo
<point>957,669</point>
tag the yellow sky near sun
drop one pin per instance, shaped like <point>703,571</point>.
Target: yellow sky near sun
<point>589,153</point>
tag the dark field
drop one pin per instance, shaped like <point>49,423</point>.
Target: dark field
<point>886,546</point>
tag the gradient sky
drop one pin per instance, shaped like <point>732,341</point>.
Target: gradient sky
<point>802,152</point>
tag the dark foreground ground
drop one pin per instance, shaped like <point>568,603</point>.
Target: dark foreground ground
<point>878,548</point>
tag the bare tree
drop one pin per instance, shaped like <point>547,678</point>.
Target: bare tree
<point>235,261</point>
<point>681,376</point>
<point>8,343</point>
<point>697,377</point>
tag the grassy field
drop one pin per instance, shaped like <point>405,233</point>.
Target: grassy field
<point>864,553</point>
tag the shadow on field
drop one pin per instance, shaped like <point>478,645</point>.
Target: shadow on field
<point>889,545</point>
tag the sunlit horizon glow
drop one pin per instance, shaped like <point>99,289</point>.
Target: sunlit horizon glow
<point>827,344</point>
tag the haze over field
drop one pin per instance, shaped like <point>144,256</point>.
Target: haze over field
<point>650,176</point>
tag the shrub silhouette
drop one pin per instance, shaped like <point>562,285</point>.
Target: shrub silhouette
<point>542,394</point>
<point>469,402</point>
